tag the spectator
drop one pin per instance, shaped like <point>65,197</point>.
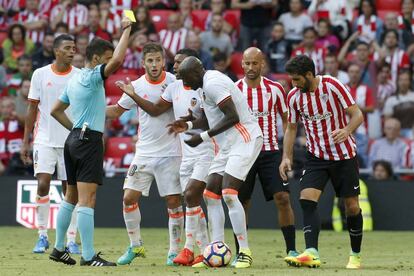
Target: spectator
<point>325,38</point>
<point>133,57</point>
<point>160,4</point>
<point>309,48</point>
<point>386,87</point>
<point>230,23</point>
<point>71,13</point>
<point>255,21</point>
<point>44,55</point>
<point>401,105</point>
<point>33,20</point>
<point>11,131</point>
<point>278,49</point>
<point>119,5</point>
<point>361,56</point>
<point>94,29</point>
<point>82,41</point>
<point>187,18</point>
<point>407,9</point>
<point>391,22</point>
<point>144,24</point>
<point>365,100</point>
<point>24,72</point>
<point>295,22</point>
<point>173,38</point>
<point>21,101</point>
<point>193,42</point>
<point>61,28</point>
<point>109,20</point>
<point>221,64</point>
<point>390,148</point>
<point>78,61</point>
<point>216,40</point>
<point>382,170</point>
<point>392,54</point>
<point>3,75</point>
<point>15,46</point>
<point>332,68</point>
<point>368,25</point>
<point>339,13</point>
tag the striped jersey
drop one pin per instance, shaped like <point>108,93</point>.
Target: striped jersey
<point>112,23</point>
<point>218,88</point>
<point>267,101</point>
<point>317,55</point>
<point>364,98</point>
<point>119,5</point>
<point>173,41</point>
<point>74,16</point>
<point>322,112</point>
<point>398,60</point>
<point>27,17</point>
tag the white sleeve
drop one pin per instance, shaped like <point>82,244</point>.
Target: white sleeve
<point>218,91</point>
<point>126,102</point>
<point>35,87</point>
<point>167,95</point>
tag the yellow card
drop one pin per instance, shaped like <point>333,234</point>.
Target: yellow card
<point>130,15</point>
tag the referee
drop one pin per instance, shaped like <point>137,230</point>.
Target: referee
<point>84,147</point>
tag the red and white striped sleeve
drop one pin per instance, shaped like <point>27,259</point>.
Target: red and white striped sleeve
<point>82,15</point>
<point>342,93</point>
<point>280,98</point>
<point>293,112</point>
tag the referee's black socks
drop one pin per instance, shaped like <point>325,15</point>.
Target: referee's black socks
<point>311,222</point>
<point>354,224</point>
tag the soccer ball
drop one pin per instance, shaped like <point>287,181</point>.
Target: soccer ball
<point>217,254</point>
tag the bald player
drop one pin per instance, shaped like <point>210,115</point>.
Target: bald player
<point>267,100</point>
<point>226,115</point>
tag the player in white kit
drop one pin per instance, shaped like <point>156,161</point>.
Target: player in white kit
<point>49,136</point>
<point>227,113</point>
<point>157,156</point>
<point>195,161</point>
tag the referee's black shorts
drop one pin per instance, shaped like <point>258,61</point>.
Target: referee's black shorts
<point>267,167</point>
<point>344,175</point>
<point>84,159</point>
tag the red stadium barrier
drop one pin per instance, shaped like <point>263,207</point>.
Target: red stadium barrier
<point>118,147</point>
<point>111,89</point>
<point>159,18</point>
<point>390,5</point>
<point>235,64</point>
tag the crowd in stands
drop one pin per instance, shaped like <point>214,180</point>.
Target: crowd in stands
<point>368,45</point>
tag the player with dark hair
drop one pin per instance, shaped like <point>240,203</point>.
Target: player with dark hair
<point>49,136</point>
<point>227,118</point>
<point>157,155</point>
<point>83,150</point>
<point>195,162</point>
<point>324,105</point>
<point>267,100</point>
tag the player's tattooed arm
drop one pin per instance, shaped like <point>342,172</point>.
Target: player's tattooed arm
<point>58,112</point>
<point>356,119</point>
<point>288,142</point>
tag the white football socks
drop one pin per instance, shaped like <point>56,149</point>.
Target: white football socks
<point>132,217</point>
<point>175,228</point>
<point>215,215</point>
<point>42,214</point>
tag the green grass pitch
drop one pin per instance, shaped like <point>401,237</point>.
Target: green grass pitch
<point>384,253</point>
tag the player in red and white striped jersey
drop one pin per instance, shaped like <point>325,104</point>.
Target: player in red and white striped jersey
<point>322,103</point>
<point>267,100</point>
<point>71,13</point>
<point>33,20</point>
<point>110,21</point>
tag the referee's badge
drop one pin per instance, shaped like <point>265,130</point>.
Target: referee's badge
<point>193,102</point>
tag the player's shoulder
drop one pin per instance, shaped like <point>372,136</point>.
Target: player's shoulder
<point>43,70</point>
<point>170,78</point>
<point>273,84</point>
<point>331,80</point>
<point>294,91</point>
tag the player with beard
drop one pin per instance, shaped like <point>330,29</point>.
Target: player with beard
<point>322,103</point>
<point>267,100</point>
<point>157,156</point>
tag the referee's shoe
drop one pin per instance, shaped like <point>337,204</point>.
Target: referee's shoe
<point>96,261</point>
<point>61,257</point>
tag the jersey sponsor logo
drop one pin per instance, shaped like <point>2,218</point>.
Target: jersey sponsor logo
<point>258,114</point>
<point>316,117</point>
<point>26,202</point>
<point>193,102</point>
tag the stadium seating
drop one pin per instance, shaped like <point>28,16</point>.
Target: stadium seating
<point>159,18</point>
<point>110,87</point>
<point>235,64</point>
<point>117,147</point>
<point>389,5</point>
<point>3,37</point>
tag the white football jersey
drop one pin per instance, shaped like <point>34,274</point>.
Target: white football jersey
<point>182,99</point>
<point>46,86</point>
<point>218,88</point>
<point>153,137</point>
